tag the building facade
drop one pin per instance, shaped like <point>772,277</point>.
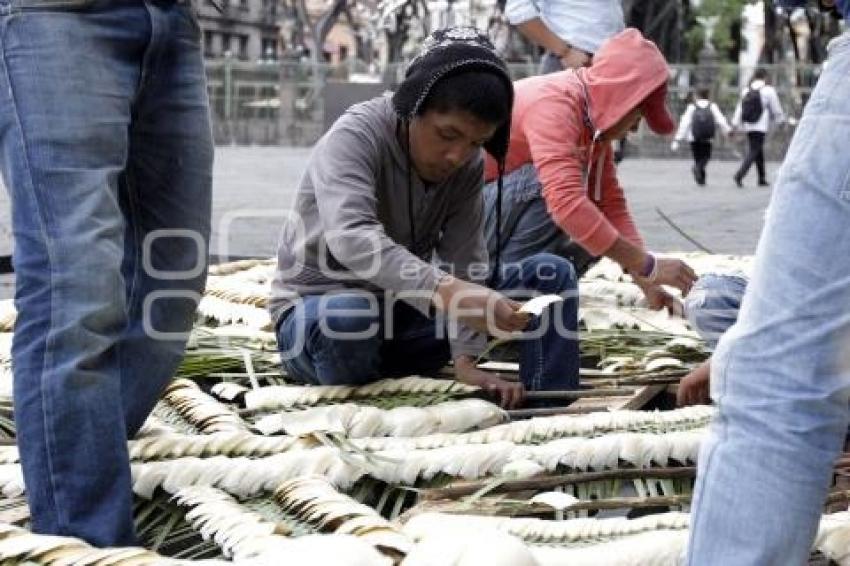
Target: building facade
<point>245,30</point>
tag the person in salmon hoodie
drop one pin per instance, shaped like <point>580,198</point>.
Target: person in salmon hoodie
<point>561,194</point>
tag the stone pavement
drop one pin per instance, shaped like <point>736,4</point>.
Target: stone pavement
<point>255,186</point>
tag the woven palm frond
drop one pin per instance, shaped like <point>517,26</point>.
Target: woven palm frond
<point>19,546</point>
<point>219,518</point>
<point>227,444</point>
<point>355,421</point>
<point>283,397</point>
<point>163,527</point>
<point>8,315</point>
<point>544,429</point>
<point>316,501</point>
<point>201,410</point>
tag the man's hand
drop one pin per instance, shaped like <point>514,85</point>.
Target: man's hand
<point>479,308</point>
<point>657,298</point>
<point>694,389</point>
<point>572,58</point>
<point>673,272</point>
<point>509,394</point>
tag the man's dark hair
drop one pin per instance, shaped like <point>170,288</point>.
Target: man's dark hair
<point>760,74</point>
<point>704,92</point>
<point>483,94</point>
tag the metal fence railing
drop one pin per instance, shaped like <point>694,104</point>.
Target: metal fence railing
<point>285,103</point>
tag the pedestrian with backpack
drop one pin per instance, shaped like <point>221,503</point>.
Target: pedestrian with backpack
<point>698,125</point>
<point>757,111</point>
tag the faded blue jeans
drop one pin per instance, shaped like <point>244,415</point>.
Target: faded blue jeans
<point>526,227</point>
<point>343,338</point>
<point>712,306</point>
<point>781,375</point>
<point>106,154</point>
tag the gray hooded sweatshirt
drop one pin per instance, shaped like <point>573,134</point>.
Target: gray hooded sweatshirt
<point>350,226</point>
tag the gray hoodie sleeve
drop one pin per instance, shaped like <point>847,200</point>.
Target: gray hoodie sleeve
<point>463,249</point>
<point>344,178</point>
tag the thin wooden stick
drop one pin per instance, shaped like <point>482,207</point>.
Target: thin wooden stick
<point>551,481</point>
<point>580,393</point>
<point>495,507</point>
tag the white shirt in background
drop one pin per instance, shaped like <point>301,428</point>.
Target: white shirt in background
<point>684,132</point>
<point>771,109</point>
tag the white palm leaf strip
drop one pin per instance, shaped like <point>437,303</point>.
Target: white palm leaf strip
<point>237,289</point>
<point>201,410</point>
<point>541,429</point>
<point>19,545</point>
<point>228,444</point>
<point>702,263</point>
<point>240,476</point>
<point>168,445</point>
<point>314,500</point>
<point>6,377</point>
<point>287,396</point>
<point>667,357</point>
<point>155,425</point>
<point>217,516</point>
<point>9,455</point>
<point>611,318</point>
<point>652,539</point>
<point>245,477</point>
<point>11,480</point>
<point>358,421</point>
<point>601,292</point>
<point>8,315</point>
<point>540,531</point>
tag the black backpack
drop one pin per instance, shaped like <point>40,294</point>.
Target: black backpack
<point>702,124</point>
<point>751,107</point>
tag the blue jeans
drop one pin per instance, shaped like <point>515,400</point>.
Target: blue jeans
<point>780,376</point>
<point>713,304</point>
<point>348,339</point>
<point>107,155</point>
<point>526,227</point>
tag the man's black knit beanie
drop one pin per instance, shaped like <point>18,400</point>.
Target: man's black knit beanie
<point>447,52</point>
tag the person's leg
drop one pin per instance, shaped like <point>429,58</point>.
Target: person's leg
<point>333,339</point>
<point>780,376</point>
<point>713,304</point>
<point>695,153</point>
<point>527,228</point>
<point>166,198</point>
<point>705,157</point>
<point>67,80</point>
<point>413,344</point>
<point>549,359</point>
<point>749,158</point>
<point>758,140</point>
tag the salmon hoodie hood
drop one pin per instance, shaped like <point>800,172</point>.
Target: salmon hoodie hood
<point>628,71</point>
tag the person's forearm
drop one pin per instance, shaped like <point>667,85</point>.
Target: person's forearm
<point>630,257</point>
<point>537,32</point>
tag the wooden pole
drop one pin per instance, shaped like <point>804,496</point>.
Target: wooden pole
<point>549,482</point>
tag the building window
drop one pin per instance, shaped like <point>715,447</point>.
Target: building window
<point>243,47</point>
<point>226,45</point>
<point>209,40</point>
<point>269,49</point>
